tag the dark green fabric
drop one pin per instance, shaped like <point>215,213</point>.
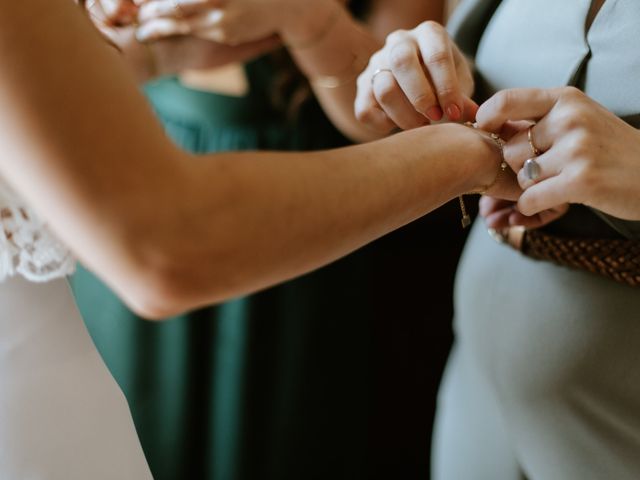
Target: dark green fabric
<point>328,376</point>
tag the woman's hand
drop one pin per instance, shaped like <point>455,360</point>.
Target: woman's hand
<point>589,155</point>
<point>231,22</point>
<point>419,76</point>
<point>500,214</point>
<point>171,55</point>
<point>478,159</point>
<point>116,12</point>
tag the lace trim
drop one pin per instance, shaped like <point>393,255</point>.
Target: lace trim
<point>27,246</point>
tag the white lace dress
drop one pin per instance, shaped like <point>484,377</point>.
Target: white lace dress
<point>62,416</point>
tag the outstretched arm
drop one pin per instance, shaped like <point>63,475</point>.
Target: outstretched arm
<point>329,45</point>
<point>80,143</point>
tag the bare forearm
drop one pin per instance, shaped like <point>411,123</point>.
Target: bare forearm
<point>168,231</point>
<point>253,220</point>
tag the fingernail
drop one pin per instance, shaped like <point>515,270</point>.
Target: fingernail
<point>453,112</point>
<point>435,114</point>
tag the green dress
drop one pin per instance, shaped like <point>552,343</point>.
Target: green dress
<point>328,376</point>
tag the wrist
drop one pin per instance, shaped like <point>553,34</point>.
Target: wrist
<point>305,21</point>
<point>485,162</point>
<point>472,157</point>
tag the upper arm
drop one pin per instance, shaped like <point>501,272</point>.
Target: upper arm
<point>386,16</point>
<point>78,140</point>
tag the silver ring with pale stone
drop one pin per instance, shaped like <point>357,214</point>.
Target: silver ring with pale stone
<point>532,170</point>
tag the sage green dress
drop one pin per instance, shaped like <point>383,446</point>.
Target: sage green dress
<point>329,376</point>
<point>544,381</point>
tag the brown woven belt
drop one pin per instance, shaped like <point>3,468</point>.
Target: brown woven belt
<point>616,259</point>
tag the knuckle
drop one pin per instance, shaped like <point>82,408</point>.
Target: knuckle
<point>396,36</point>
<point>568,121</point>
<point>376,59</point>
<point>364,115</point>
<point>527,203</point>
<point>402,57</point>
<point>572,93</point>
<point>582,144</point>
<point>438,58</point>
<point>502,101</point>
<point>447,91</point>
<point>385,91</point>
<point>374,119</point>
<point>579,180</point>
<point>423,102</point>
<point>430,25</point>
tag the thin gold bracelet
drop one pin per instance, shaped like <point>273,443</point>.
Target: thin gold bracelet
<point>346,77</point>
<point>322,34</point>
<point>466,218</point>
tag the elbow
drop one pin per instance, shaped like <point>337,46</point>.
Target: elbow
<point>160,290</point>
<point>153,296</point>
<point>157,289</point>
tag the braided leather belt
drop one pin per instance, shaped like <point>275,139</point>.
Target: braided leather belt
<point>616,259</point>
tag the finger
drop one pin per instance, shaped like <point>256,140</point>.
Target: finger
<point>119,12</point>
<point>543,196</point>
<point>438,59</point>
<point>500,218</point>
<point>519,149</point>
<point>516,104</point>
<point>404,60</point>
<point>208,24</point>
<point>543,168</point>
<point>160,28</point>
<point>367,110</point>
<point>511,129</point>
<point>173,8</point>
<point>470,110</point>
<point>394,102</point>
<point>538,220</point>
<point>488,205</point>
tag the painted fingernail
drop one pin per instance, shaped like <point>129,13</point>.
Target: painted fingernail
<point>453,112</point>
<point>435,114</point>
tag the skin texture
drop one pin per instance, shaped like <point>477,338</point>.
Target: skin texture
<point>169,232</point>
<point>335,44</point>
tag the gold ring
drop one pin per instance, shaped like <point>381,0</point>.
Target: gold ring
<point>177,9</point>
<point>378,72</point>
<point>534,149</point>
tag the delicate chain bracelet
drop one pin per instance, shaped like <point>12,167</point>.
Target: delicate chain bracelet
<point>466,218</point>
<point>346,77</point>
